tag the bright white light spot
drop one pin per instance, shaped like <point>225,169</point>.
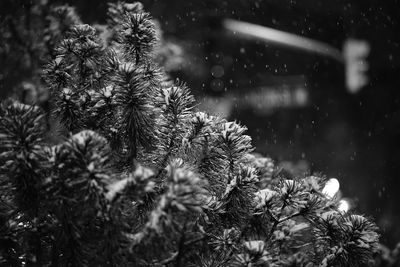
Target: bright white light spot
<point>344,206</point>
<point>331,187</point>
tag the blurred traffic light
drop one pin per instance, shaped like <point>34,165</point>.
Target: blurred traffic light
<point>355,53</point>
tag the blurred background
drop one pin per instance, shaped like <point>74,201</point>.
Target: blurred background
<point>317,84</point>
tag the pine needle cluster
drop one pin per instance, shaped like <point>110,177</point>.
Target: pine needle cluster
<point>139,178</point>
<point>29,32</point>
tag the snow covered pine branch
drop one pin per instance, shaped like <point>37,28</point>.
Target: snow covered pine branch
<point>139,178</point>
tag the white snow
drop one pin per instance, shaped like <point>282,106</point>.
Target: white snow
<point>167,93</point>
<point>231,186</point>
<point>82,136</point>
<point>108,91</point>
<point>255,245</point>
<point>115,188</point>
<point>67,92</point>
<point>263,196</point>
<point>22,106</point>
<point>58,60</point>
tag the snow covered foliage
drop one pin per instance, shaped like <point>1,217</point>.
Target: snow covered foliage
<point>139,178</point>
<point>29,32</point>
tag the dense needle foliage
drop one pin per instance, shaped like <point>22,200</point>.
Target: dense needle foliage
<point>139,178</point>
